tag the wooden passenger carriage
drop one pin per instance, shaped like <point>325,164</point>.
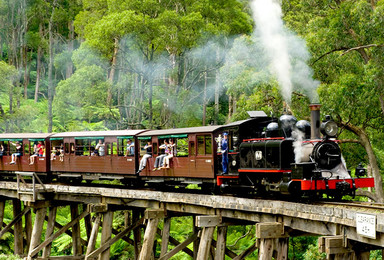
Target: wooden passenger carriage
<point>81,159</point>
<point>195,153</point>
<point>27,140</point>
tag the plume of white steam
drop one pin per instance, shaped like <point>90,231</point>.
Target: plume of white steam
<point>287,54</point>
<point>298,136</point>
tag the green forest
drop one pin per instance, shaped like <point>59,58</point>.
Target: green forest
<point>78,65</point>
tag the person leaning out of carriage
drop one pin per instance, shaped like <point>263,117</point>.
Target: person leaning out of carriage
<point>17,153</point>
<point>148,154</point>
<point>169,156</point>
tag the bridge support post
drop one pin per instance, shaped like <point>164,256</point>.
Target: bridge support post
<point>221,242</point>
<point>37,230</point>
<point>208,223</point>
<point>136,233</point>
<point>268,233</point>
<point>153,217</point>
<point>18,228</point>
<point>165,236</point>
<point>76,238</point>
<point>50,229</point>
<point>28,229</point>
<point>106,233</point>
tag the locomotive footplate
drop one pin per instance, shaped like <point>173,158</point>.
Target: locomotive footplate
<point>221,179</point>
<point>311,185</point>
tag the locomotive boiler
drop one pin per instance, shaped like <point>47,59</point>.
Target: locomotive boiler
<point>293,159</point>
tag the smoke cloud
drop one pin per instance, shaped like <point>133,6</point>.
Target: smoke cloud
<point>286,53</point>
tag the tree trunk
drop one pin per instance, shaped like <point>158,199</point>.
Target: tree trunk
<point>205,98</point>
<point>364,140</point>
<point>71,36</point>
<point>38,64</point>
<point>50,69</point>
<point>112,72</point>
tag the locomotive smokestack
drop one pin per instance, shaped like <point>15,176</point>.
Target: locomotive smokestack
<point>315,121</point>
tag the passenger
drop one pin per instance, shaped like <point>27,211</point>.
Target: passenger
<point>160,159</point>
<point>148,154</point>
<point>38,150</point>
<point>130,148</point>
<point>17,153</point>
<point>53,153</point>
<point>224,153</point>
<point>1,151</point>
<point>171,151</point>
<point>100,147</point>
<point>61,153</point>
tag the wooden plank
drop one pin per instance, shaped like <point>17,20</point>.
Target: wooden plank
<point>165,236</point>
<point>180,247</point>
<point>205,243</point>
<point>154,213</point>
<point>18,247</point>
<point>221,243</point>
<point>110,242</point>
<point>37,231</point>
<point>247,252</point>
<point>57,234</point>
<point>207,221</point>
<point>266,249</point>
<point>136,234</point>
<point>50,229</point>
<point>2,208</point>
<point>15,219</point>
<point>93,237</point>
<point>76,236</point>
<point>106,233</point>
<point>269,230</point>
<point>28,228</point>
<point>282,249</point>
<point>97,208</point>
<point>176,243</point>
<point>149,238</point>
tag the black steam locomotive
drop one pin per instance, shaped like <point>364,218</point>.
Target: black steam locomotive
<point>292,159</point>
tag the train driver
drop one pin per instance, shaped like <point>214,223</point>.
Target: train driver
<point>224,153</point>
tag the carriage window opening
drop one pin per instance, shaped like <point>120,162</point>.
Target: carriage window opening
<point>72,148</point>
<point>192,151</point>
<point>12,146</point>
<point>56,146</point>
<point>6,148</point>
<point>126,147</point>
<point>121,143</point>
<point>142,145</point>
<point>66,147</point>
<point>208,144</point>
<point>200,145</point>
<point>82,147</point>
<point>114,148</point>
<point>181,147</point>
<point>109,148</point>
<point>26,148</point>
<point>92,148</point>
<point>2,148</point>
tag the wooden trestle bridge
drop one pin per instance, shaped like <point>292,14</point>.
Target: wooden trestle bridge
<point>275,222</point>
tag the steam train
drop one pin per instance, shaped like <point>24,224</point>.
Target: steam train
<point>266,156</point>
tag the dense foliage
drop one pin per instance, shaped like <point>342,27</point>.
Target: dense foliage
<point>116,64</point>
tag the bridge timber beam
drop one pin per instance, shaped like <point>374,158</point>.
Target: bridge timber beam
<point>275,221</point>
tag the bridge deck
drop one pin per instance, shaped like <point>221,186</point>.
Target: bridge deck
<point>317,218</point>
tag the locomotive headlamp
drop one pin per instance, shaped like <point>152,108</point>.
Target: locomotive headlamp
<point>360,171</point>
<point>329,127</point>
